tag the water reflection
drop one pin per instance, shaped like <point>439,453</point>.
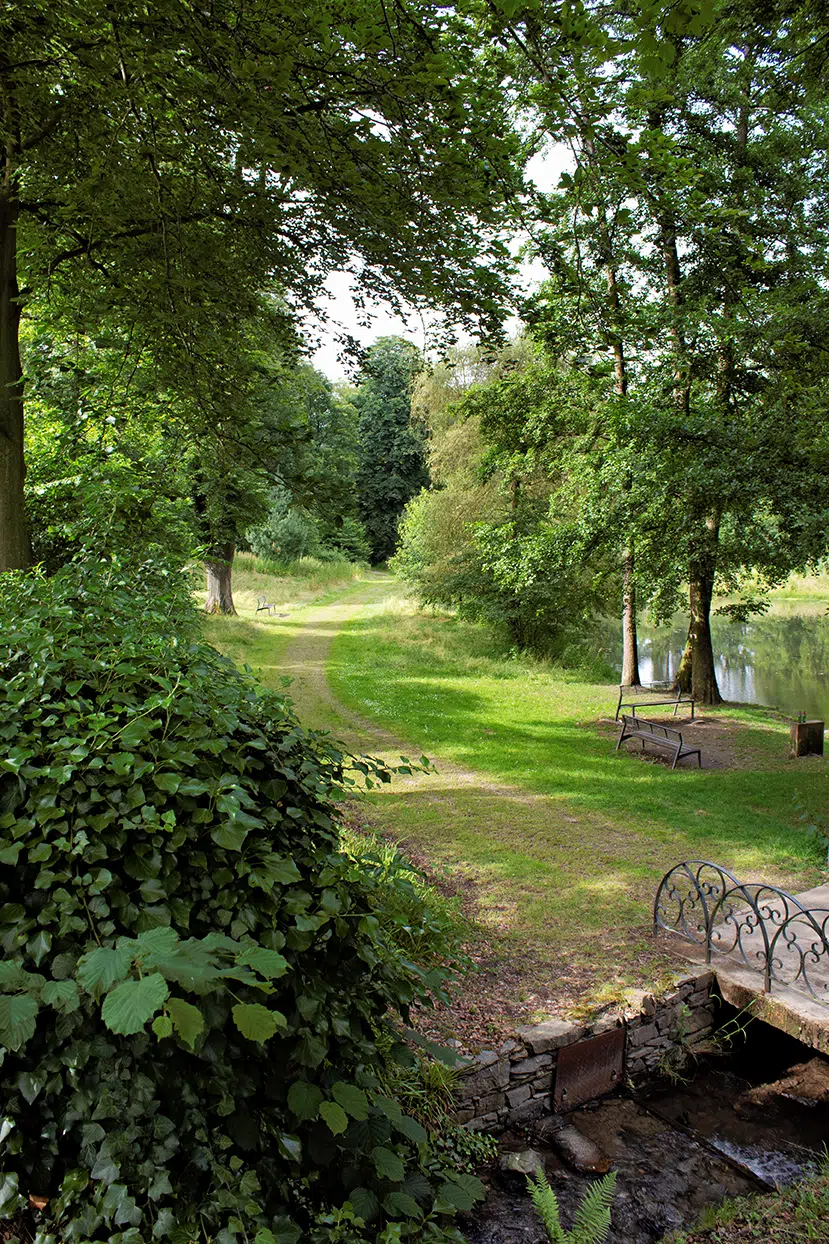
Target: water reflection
<point>781,660</point>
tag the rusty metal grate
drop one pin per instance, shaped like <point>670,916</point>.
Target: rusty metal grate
<point>589,1069</point>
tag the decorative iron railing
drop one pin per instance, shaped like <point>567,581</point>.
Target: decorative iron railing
<point>761,925</point>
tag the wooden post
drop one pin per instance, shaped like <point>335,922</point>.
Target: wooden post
<point>807,738</point>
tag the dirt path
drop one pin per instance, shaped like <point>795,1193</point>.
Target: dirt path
<point>521,974</point>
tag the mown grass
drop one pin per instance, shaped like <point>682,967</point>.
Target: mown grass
<point>566,864</point>
<point>797,1215</point>
<point>556,841</point>
<point>260,639</point>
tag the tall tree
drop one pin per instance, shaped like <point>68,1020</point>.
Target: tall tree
<point>392,447</point>
<point>697,137</point>
<point>179,159</point>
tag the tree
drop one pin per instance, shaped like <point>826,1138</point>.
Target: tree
<point>174,161</point>
<point>392,453</point>
<point>696,187</point>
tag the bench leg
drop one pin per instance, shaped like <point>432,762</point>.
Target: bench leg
<point>699,760</point>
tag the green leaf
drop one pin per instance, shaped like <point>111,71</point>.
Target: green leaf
<point>268,963</point>
<point>162,1026</point>
<point>62,995</point>
<point>187,1019</point>
<point>168,782</point>
<point>334,1116</point>
<point>128,1007</point>
<point>100,969</point>
<point>387,1164</point>
<point>304,1100</point>
<point>230,836</point>
<point>256,1022</point>
<point>401,1205</point>
<point>352,1099</point>
<point>410,1128</point>
<point>364,1203</point>
<point>18,1019</point>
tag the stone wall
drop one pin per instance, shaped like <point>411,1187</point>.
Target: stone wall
<point>513,1085</point>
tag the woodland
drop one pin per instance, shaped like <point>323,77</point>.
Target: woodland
<point>209,992</point>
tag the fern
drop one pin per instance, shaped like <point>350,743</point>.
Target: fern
<point>592,1221</point>
<point>546,1205</point>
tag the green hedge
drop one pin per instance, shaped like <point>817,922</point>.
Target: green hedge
<point>196,982</point>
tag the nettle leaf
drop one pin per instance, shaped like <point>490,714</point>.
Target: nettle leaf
<point>62,995</point>
<point>335,1117</point>
<point>401,1205</point>
<point>18,1019</point>
<point>387,1164</point>
<point>187,1020</point>
<point>352,1099</point>
<point>268,963</point>
<point>99,970</point>
<point>364,1203</point>
<point>128,1007</point>
<point>304,1100</point>
<point>256,1022</point>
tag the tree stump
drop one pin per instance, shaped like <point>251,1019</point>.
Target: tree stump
<point>807,738</point>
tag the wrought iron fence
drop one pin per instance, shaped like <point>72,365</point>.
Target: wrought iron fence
<point>761,925</point>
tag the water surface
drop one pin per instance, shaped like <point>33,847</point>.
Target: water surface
<point>780,660</point>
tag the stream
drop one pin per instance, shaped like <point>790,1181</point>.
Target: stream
<point>780,660</point>
<point>676,1148</point>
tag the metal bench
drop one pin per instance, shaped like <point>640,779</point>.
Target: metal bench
<point>661,736</point>
<point>635,692</point>
<point>262,603</point>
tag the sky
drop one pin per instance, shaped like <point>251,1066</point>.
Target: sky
<point>544,170</point>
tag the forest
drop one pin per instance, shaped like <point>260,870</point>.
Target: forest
<point>210,990</point>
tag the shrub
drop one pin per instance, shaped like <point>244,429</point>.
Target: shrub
<point>197,983</point>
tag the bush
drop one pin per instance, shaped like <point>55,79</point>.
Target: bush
<point>198,986</point>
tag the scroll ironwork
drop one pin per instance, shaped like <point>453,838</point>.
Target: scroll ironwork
<point>758,924</point>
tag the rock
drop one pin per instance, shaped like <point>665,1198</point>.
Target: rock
<point>552,1034</point>
<point>531,1066</point>
<point>517,1095</point>
<point>580,1152</point>
<point>642,1035</point>
<point>805,1083</point>
<point>513,1168</point>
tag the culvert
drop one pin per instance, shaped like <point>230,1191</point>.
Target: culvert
<point>742,1120</point>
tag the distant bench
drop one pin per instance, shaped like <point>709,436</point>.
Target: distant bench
<point>661,736</point>
<point>632,697</point>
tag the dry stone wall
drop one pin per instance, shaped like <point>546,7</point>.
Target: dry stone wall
<point>513,1086</point>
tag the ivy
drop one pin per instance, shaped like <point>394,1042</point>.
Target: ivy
<point>195,977</point>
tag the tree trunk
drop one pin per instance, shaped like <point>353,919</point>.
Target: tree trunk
<point>683,679</point>
<point>218,568</point>
<point>697,675</point>
<point>15,552</point>
<point>630,646</point>
<point>704,687</point>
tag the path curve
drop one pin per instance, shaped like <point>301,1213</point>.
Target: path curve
<point>305,661</point>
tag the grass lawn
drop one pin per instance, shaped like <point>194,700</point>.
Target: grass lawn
<point>555,842</point>
<point>566,862</point>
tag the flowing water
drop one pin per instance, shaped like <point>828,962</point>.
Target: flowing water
<point>676,1149</point>
<point>780,660</point>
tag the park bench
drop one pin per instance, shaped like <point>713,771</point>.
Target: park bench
<point>263,603</point>
<point>661,736</point>
<point>632,697</point>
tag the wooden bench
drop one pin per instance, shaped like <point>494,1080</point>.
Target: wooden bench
<point>635,693</point>
<point>661,736</point>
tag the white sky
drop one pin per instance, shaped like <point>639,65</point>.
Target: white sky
<point>544,169</point>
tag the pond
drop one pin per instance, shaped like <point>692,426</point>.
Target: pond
<point>780,660</point>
